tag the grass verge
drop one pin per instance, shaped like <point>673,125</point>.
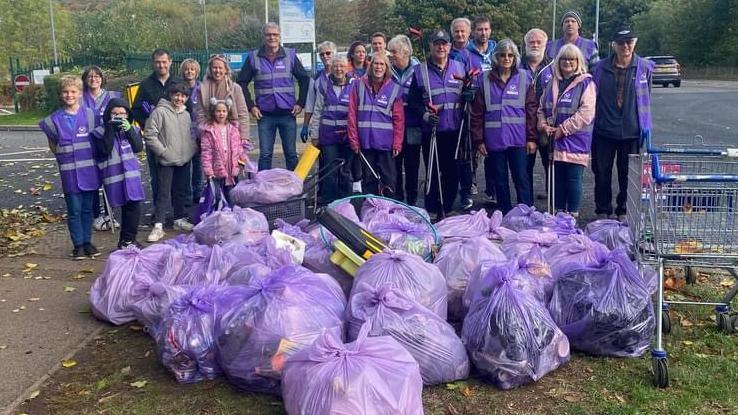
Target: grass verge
<point>703,364</point>
<point>23,118</point>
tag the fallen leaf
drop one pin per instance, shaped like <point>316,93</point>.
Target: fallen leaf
<point>135,327</point>
<point>67,363</point>
<point>727,283</point>
<point>47,186</point>
<point>701,356</point>
<point>16,310</point>
<point>686,323</point>
<point>79,277</point>
<point>69,289</point>
<point>30,265</point>
<point>466,392</point>
<point>687,343</point>
<point>3,346</point>
<point>619,398</point>
<point>87,270</point>
<point>571,398</point>
<point>34,299</point>
<point>34,394</point>
<point>22,307</point>
<point>6,275</point>
<point>139,384</point>
<point>126,370</point>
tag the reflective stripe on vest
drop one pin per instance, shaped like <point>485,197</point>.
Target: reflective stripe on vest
<point>120,177</point>
<point>516,103</point>
<point>371,107</point>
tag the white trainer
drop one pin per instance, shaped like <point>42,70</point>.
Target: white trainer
<point>156,234</point>
<point>182,224</point>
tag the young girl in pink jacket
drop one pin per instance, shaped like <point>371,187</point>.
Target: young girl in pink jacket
<point>221,149</point>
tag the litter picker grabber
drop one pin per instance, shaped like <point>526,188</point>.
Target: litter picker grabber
<point>550,194</point>
<point>109,209</point>
<point>381,187</point>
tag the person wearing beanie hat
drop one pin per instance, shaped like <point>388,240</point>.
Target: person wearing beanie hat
<point>571,24</point>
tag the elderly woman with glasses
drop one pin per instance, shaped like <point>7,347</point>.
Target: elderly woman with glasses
<point>326,51</point>
<point>503,124</point>
<point>566,115</point>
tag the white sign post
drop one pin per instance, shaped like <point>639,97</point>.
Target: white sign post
<point>297,23</point>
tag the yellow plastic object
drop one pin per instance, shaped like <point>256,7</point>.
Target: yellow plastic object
<point>344,258</point>
<point>307,161</point>
<point>131,92</point>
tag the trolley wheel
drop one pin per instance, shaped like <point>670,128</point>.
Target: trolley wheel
<point>660,372</point>
<point>665,322</point>
<point>725,323</point>
<point>690,274</point>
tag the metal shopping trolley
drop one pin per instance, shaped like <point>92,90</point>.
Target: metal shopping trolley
<point>682,211</point>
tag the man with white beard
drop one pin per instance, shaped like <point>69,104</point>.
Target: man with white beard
<point>539,65</point>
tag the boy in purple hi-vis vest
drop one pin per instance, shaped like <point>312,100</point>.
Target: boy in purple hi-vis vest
<point>68,131</point>
<point>623,114</point>
<point>116,144</point>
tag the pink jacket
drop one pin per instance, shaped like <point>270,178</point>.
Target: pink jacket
<point>214,157</point>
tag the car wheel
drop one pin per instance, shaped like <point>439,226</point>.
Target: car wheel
<point>677,84</point>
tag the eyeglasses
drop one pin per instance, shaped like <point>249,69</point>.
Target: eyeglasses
<point>624,42</point>
<point>94,76</point>
<point>119,114</point>
<point>506,55</point>
<point>327,53</point>
<point>567,59</point>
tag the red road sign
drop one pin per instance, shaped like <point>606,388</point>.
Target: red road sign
<point>21,82</point>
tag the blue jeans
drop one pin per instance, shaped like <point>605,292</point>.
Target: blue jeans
<point>496,171</point>
<point>268,126</point>
<point>196,178</point>
<point>568,186</point>
<point>79,216</point>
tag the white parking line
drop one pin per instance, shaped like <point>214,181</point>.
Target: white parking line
<point>23,152</point>
<point>14,160</point>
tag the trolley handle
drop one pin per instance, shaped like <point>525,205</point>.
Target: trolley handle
<point>313,180</point>
<point>660,177</point>
<point>698,141</point>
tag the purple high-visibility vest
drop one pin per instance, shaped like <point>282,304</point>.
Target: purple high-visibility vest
<point>566,106</point>
<point>99,104</point>
<point>545,76</point>
<point>504,111</point>
<point>404,81</point>
<point>445,93</point>
<point>333,119</point>
<point>120,172</point>
<point>194,99</point>
<point>588,48</point>
<point>375,115</point>
<point>274,85</point>
<point>74,150</point>
<point>642,87</point>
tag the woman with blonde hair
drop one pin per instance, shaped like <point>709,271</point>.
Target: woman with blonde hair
<point>376,125</point>
<point>189,71</point>
<point>566,115</point>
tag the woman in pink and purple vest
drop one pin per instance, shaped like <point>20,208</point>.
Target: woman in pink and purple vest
<point>376,125</point>
<point>566,114</point>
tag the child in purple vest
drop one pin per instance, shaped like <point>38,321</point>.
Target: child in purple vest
<point>116,144</point>
<point>68,132</point>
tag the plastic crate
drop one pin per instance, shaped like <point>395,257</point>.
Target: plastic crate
<point>290,211</point>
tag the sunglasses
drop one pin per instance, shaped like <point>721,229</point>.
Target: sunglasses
<point>506,55</point>
<point>325,53</point>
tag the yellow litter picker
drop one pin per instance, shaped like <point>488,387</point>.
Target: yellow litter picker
<point>354,244</point>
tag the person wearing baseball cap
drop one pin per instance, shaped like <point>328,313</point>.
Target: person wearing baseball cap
<point>622,116</point>
<point>571,24</point>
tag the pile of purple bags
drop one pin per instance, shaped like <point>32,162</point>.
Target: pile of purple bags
<point>525,286</point>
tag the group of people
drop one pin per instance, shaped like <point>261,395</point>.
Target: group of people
<point>375,112</point>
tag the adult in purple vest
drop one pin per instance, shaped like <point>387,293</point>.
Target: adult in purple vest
<point>503,124</point>
<point>96,98</point>
<point>460,32</point>
<point>189,71</point>
<point>68,131</point>
<point>539,65</point>
<point>358,62</point>
<point>376,125</point>
<point>623,114</point>
<point>116,144</point>
<point>436,98</point>
<point>328,130</point>
<point>571,24</point>
<point>276,103</point>
<point>566,115</point>
<point>407,163</point>
<point>326,51</point>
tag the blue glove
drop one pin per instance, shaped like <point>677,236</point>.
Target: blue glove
<point>304,133</point>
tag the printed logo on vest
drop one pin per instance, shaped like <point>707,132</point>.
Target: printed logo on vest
<point>382,100</point>
<point>566,97</point>
<point>453,81</point>
<point>512,90</point>
<point>279,65</point>
<point>82,130</point>
<point>644,78</point>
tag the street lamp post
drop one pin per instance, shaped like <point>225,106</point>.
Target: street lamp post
<point>553,21</point>
<point>597,24</point>
<point>53,33</point>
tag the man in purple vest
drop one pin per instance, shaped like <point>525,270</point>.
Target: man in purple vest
<point>460,32</point>
<point>571,24</point>
<point>539,65</point>
<point>274,70</point>
<point>623,114</point>
<point>68,131</point>
<point>436,96</point>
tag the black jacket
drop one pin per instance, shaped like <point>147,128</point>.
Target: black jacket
<point>150,91</point>
<point>104,143</point>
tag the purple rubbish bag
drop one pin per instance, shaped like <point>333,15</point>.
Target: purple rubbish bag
<point>289,309</point>
<point>420,281</point>
<point>510,336</point>
<point>523,241</point>
<point>267,186</point>
<point>520,218</point>
<point>379,209</point>
<point>573,248</point>
<point>400,233</point>
<point>429,339</point>
<point>370,376</point>
<point>496,231</point>
<point>456,260</point>
<point>610,232</point>
<point>185,336</point>
<point>604,309</point>
<point>151,297</point>
<point>245,226</point>
<point>111,293</point>
<point>464,226</point>
<point>193,268</point>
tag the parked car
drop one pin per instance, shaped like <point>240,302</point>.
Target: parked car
<point>666,71</point>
